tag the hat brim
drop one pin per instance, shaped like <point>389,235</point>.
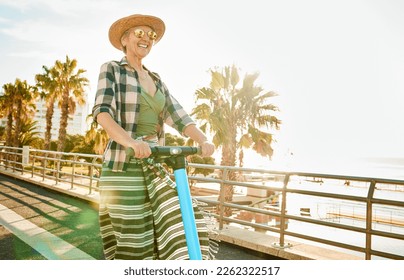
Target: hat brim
<point>119,27</point>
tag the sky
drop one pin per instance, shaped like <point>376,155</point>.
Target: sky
<point>337,66</point>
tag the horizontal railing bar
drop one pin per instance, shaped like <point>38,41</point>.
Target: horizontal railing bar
<point>387,255</point>
<point>236,183</point>
<point>388,202</point>
<point>302,174</point>
<point>387,234</point>
<point>326,241</point>
<point>328,195</point>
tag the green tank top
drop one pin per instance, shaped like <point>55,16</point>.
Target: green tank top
<point>150,109</point>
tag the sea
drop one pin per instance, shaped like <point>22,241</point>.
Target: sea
<point>374,167</point>
<point>371,167</point>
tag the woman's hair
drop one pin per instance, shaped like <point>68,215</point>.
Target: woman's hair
<point>124,35</point>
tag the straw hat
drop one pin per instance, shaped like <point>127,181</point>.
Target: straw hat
<point>119,27</point>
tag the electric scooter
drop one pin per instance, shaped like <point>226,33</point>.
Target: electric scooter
<point>174,156</point>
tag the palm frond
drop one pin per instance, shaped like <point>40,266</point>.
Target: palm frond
<point>217,81</point>
<point>205,94</point>
<point>202,111</point>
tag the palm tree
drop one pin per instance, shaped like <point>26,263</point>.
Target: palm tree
<point>7,109</point>
<point>71,86</point>
<point>50,93</point>
<point>238,116</point>
<point>18,104</point>
<point>24,107</point>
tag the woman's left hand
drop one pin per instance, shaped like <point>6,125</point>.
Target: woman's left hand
<point>208,148</point>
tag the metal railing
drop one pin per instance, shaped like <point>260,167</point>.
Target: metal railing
<point>74,169</point>
<point>316,186</point>
<point>356,214</point>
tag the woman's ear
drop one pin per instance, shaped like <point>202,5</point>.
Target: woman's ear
<point>124,42</point>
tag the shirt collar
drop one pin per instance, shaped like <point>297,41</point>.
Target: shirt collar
<point>124,62</point>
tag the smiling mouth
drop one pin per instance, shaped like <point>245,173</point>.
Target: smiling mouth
<point>143,46</point>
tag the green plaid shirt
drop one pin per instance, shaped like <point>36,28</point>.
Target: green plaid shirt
<point>118,94</point>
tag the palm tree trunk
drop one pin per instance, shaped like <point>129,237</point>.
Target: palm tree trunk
<point>9,129</point>
<point>229,152</point>
<point>49,114</point>
<point>241,158</point>
<point>17,130</point>
<point>63,120</point>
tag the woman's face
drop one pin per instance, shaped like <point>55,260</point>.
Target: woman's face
<point>139,41</point>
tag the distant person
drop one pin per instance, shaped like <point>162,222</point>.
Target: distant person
<point>139,209</point>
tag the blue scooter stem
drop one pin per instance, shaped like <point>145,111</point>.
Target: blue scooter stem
<point>188,215</point>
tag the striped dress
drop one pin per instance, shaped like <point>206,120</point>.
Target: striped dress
<point>140,216</point>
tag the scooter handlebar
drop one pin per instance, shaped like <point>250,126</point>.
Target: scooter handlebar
<point>169,151</point>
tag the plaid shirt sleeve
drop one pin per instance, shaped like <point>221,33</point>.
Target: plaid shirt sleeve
<point>105,96</point>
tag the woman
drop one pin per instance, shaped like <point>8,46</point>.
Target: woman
<point>139,211</point>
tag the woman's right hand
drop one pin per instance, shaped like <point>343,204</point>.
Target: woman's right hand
<point>140,148</point>
<point>118,134</point>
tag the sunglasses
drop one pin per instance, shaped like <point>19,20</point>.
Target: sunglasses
<point>139,33</point>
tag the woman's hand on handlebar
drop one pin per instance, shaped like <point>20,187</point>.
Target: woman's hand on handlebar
<point>208,148</point>
<point>141,149</point>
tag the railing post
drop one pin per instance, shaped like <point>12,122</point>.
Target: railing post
<point>57,168</point>
<point>73,167</point>
<point>14,160</point>
<point>281,243</point>
<point>25,158</point>
<point>369,220</point>
<point>33,164</point>
<point>45,163</point>
<point>91,175</point>
<point>221,199</point>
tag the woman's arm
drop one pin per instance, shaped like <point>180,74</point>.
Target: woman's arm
<point>119,135</point>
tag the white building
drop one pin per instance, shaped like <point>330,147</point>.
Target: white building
<point>76,123</point>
